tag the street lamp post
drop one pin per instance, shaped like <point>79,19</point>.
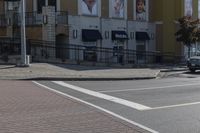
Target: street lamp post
<point>24,60</point>
<point>23,35</point>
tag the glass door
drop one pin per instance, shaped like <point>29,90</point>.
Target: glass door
<point>90,52</point>
<point>141,52</point>
<point>118,51</point>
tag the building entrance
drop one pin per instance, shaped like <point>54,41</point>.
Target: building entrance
<point>90,53</point>
<point>141,52</point>
<point>118,51</point>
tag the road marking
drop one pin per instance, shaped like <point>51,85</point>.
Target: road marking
<point>149,88</point>
<point>173,106</point>
<point>98,107</point>
<point>104,96</point>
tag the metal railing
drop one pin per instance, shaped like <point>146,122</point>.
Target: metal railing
<point>49,52</point>
<point>44,51</point>
<point>33,18</point>
<point>10,46</point>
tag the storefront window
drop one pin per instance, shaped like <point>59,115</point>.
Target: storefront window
<point>141,51</point>
<point>118,50</point>
<point>90,53</point>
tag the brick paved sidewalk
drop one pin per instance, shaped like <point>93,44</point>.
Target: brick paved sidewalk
<point>27,108</point>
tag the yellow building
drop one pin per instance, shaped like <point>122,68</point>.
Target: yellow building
<point>137,25</point>
<point>166,13</point>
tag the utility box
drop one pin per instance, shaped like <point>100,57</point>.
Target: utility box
<point>28,60</point>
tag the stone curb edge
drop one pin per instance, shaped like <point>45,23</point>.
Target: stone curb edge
<point>88,79</point>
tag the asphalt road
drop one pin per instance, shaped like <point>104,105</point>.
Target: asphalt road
<point>169,105</point>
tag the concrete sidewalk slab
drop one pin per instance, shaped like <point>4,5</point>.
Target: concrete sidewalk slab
<point>74,72</point>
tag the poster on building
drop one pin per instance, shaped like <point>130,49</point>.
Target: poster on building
<point>141,10</point>
<point>89,7</point>
<point>188,8</point>
<point>118,8</point>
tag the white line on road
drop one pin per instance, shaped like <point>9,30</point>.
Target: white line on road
<point>100,108</point>
<point>104,96</point>
<point>149,88</point>
<point>173,106</point>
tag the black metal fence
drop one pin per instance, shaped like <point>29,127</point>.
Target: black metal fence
<point>10,46</point>
<point>44,51</point>
<point>51,52</point>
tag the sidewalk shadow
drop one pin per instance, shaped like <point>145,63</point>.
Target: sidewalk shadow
<point>81,67</point>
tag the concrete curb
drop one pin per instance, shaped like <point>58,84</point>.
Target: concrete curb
<point>80,78</point>
<point>49,72</point>
<point>174,70</point>
<point>88,79</point>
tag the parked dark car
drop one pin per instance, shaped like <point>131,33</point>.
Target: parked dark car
<point>194,63</point>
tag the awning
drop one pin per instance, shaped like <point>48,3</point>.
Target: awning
<point>119,35</point>
<point>142,36</point>
<point>90,35</point>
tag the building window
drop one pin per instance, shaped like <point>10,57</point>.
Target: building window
<point>12,6</point>
<point>141,51</point>
<point>52,3</point>
<point>40,3</point>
